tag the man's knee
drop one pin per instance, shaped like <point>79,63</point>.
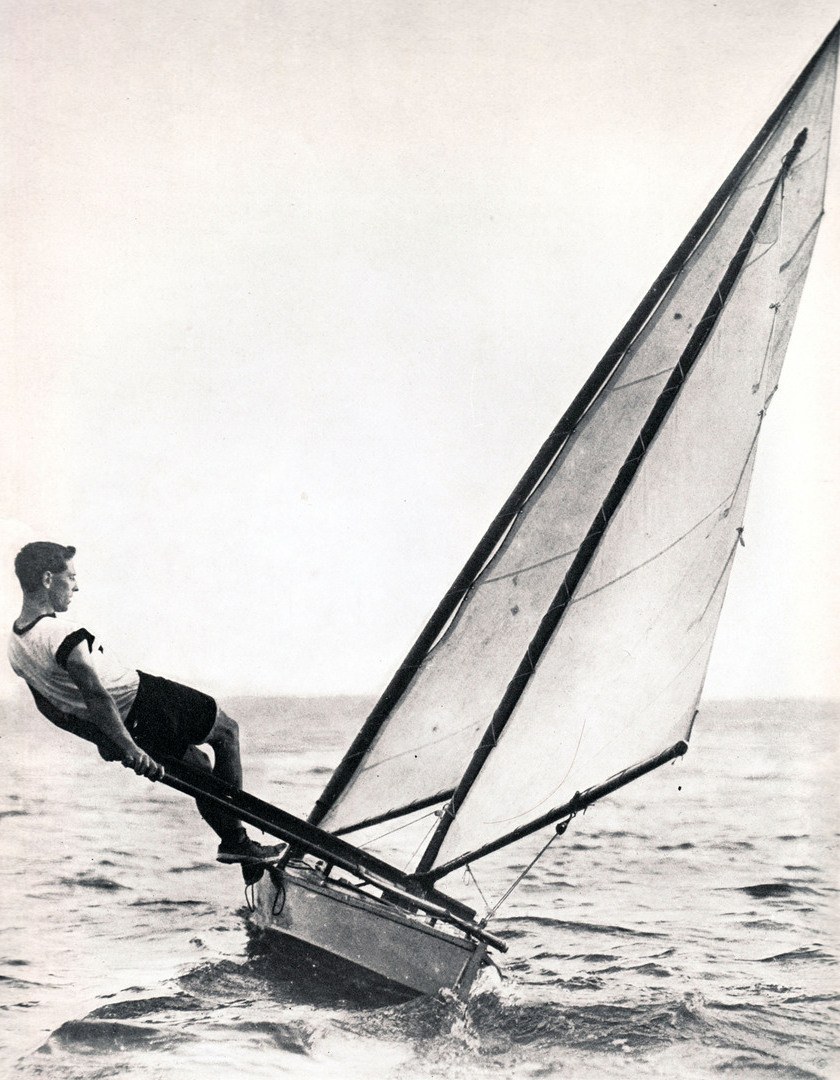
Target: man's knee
<point>225,731</point>
<point>198,758</point>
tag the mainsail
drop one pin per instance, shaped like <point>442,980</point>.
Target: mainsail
<point>575,643</point>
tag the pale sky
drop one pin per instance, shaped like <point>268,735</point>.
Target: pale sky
<point>295,291</point>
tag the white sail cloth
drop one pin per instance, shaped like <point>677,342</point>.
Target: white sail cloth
<point>620,680</point>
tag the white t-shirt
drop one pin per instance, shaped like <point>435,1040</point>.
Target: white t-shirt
<point>39,653</point>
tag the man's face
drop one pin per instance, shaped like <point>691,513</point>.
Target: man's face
<point>61,586</point>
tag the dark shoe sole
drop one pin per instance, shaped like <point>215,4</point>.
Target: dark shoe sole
<point>250,860</point>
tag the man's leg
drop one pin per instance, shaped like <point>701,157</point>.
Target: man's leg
<point>236,845</point>
<point>224,739</point>
<point>227,827</point>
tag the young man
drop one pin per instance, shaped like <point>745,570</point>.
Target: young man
<point>130,716</point>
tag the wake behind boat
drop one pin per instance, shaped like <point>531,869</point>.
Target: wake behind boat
<point>568,657</point>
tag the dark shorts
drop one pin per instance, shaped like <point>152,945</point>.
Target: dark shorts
<point>167,718</point>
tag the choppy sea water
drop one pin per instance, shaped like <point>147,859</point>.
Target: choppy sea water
<point>687,926</point>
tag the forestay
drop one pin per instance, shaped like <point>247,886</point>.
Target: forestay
<point>622,673</point>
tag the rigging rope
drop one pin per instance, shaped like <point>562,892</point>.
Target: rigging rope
<point>405,824</point>
<point>468,872</point>
<point>396,828</point>
<point>558,831</point>
<point>425,839</point>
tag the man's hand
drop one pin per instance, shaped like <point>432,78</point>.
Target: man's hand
<point>142,764</point>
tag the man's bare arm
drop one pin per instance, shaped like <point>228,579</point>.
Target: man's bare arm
<point>104,714</point>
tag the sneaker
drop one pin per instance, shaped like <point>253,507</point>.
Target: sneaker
<point>247,850</point>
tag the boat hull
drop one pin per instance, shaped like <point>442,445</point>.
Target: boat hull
<point>376,936</point>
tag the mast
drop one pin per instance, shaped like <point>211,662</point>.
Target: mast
<point>598,528</point>
<point>548,453</point>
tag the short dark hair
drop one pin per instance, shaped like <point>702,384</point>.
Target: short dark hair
<point>34,559</point>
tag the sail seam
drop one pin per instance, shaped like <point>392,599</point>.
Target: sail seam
<point>525,569</point>
<point>728,499</point>
<point>577,599</point>
<point>802,273</point>
<point>815,224</point>
<point>416,748</point>
<point>642,379</point>
<point>762,254</point>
